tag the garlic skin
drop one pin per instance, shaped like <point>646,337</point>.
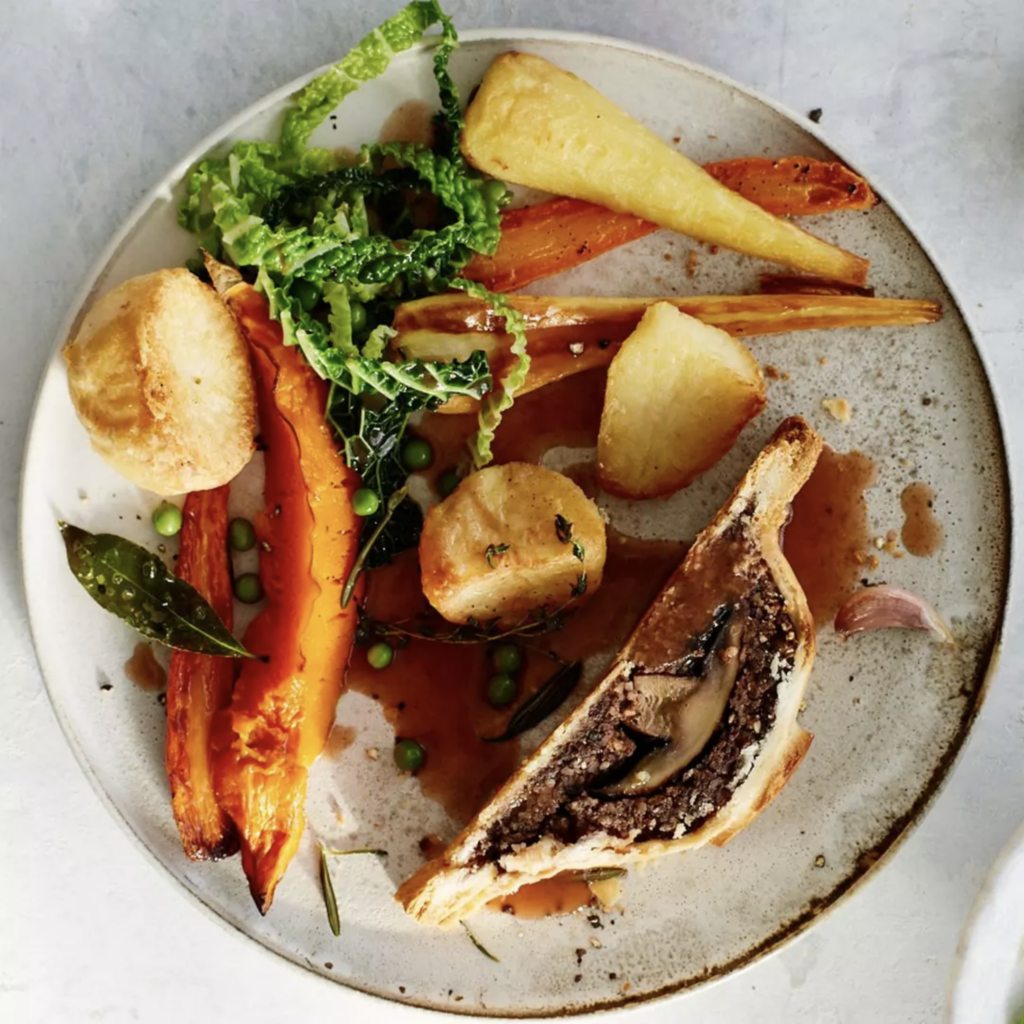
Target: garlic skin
<point>888,607</point>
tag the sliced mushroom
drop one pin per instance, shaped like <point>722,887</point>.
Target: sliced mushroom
<point>685,710</point>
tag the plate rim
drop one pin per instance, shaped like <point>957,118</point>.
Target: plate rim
<point>1009,861</point>
<point>787,932</point>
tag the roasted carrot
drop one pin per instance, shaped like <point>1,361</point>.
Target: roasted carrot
<point>794,186</point>
<point>569,334</point>
<point>547,238</point>
<point>283,705</point>
<point>198,685</point>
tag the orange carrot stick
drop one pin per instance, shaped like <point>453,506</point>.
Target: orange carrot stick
<point>795,186</point>
<point>547,238</point>
<point>199,685</point>
<point>283,706</point>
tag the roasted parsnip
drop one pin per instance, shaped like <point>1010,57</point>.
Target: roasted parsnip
<point>535,124</point>
<point>570,334</point>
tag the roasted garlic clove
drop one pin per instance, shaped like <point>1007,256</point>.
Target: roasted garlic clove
<point>887,607</point>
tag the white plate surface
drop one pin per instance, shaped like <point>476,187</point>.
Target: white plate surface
<point>988,987</point>
<point>889,711</point>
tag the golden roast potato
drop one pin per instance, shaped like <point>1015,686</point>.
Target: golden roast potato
<point>507,542</point>
<point>160,378</point>
<point>679,393</point>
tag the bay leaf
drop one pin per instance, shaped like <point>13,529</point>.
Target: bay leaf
<point>135,585</point>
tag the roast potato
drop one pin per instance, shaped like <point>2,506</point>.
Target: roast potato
<point>160,378</point>
<point>679,392</point>
<point>493,549</point>
<point>535,124</point>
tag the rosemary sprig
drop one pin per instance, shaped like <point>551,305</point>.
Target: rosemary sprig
<point>394,501</point>
<point>479,945</point>
<point>597,874</point>
<point>330,901</point>
<point>537,623</point>
<point>349,853</point>
<point>536,708</point>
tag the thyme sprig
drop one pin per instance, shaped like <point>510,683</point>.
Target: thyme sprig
<point>479,945</point>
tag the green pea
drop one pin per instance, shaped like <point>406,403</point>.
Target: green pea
<point>494,191</point>
<point>365,502</point>
<point>241,535</point>
<point>248,588</point>
<point>501,690</point>
<point>409,755</point>
<point>417,454</point>
<point>506,658</point>
<point>167,519</point>
<point>447,482</point>
<point>307,293</point>
<point>380,655</point>
<point>357,311</point>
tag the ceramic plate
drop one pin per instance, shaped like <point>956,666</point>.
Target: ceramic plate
<point>989,983</point>
<point>889,710</point>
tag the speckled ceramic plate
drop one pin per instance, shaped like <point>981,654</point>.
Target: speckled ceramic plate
<point>889,710</point>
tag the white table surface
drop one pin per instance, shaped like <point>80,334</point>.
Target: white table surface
<point>99,97</point>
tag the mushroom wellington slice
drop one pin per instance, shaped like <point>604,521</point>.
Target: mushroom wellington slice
<point>689,736</point>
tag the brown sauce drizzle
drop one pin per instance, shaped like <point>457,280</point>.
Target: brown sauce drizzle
<point>432,846</point>
<point>562,894</point>
<point>409,122</point>
<point>922,533</point>
<point>826,539</point>
<point>341,738</point>
<point>436,693</point>
<point>144,670</point>
<point>566,413</point>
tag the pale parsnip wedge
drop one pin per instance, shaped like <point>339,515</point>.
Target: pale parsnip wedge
<point>534,124</point>
<point>679,393</point>
<point>570,334</point>
<point>509,541</point>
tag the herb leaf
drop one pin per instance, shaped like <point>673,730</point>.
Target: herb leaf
<point>563,528</point>
<point>546,700</point>
<point>495,551</point>
<point>479,945</point>
<point>135,585</point>
<point>597,874</point>
<point>395,502</point>
<point>349,853</point>
<point>579,550</point>
<point>581,586</point>
<point>327,886</point>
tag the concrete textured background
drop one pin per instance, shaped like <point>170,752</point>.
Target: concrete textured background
<point>99,97</point>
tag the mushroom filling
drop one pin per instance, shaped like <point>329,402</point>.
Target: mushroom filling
<point>683,710</point>
<point>661,753</point>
